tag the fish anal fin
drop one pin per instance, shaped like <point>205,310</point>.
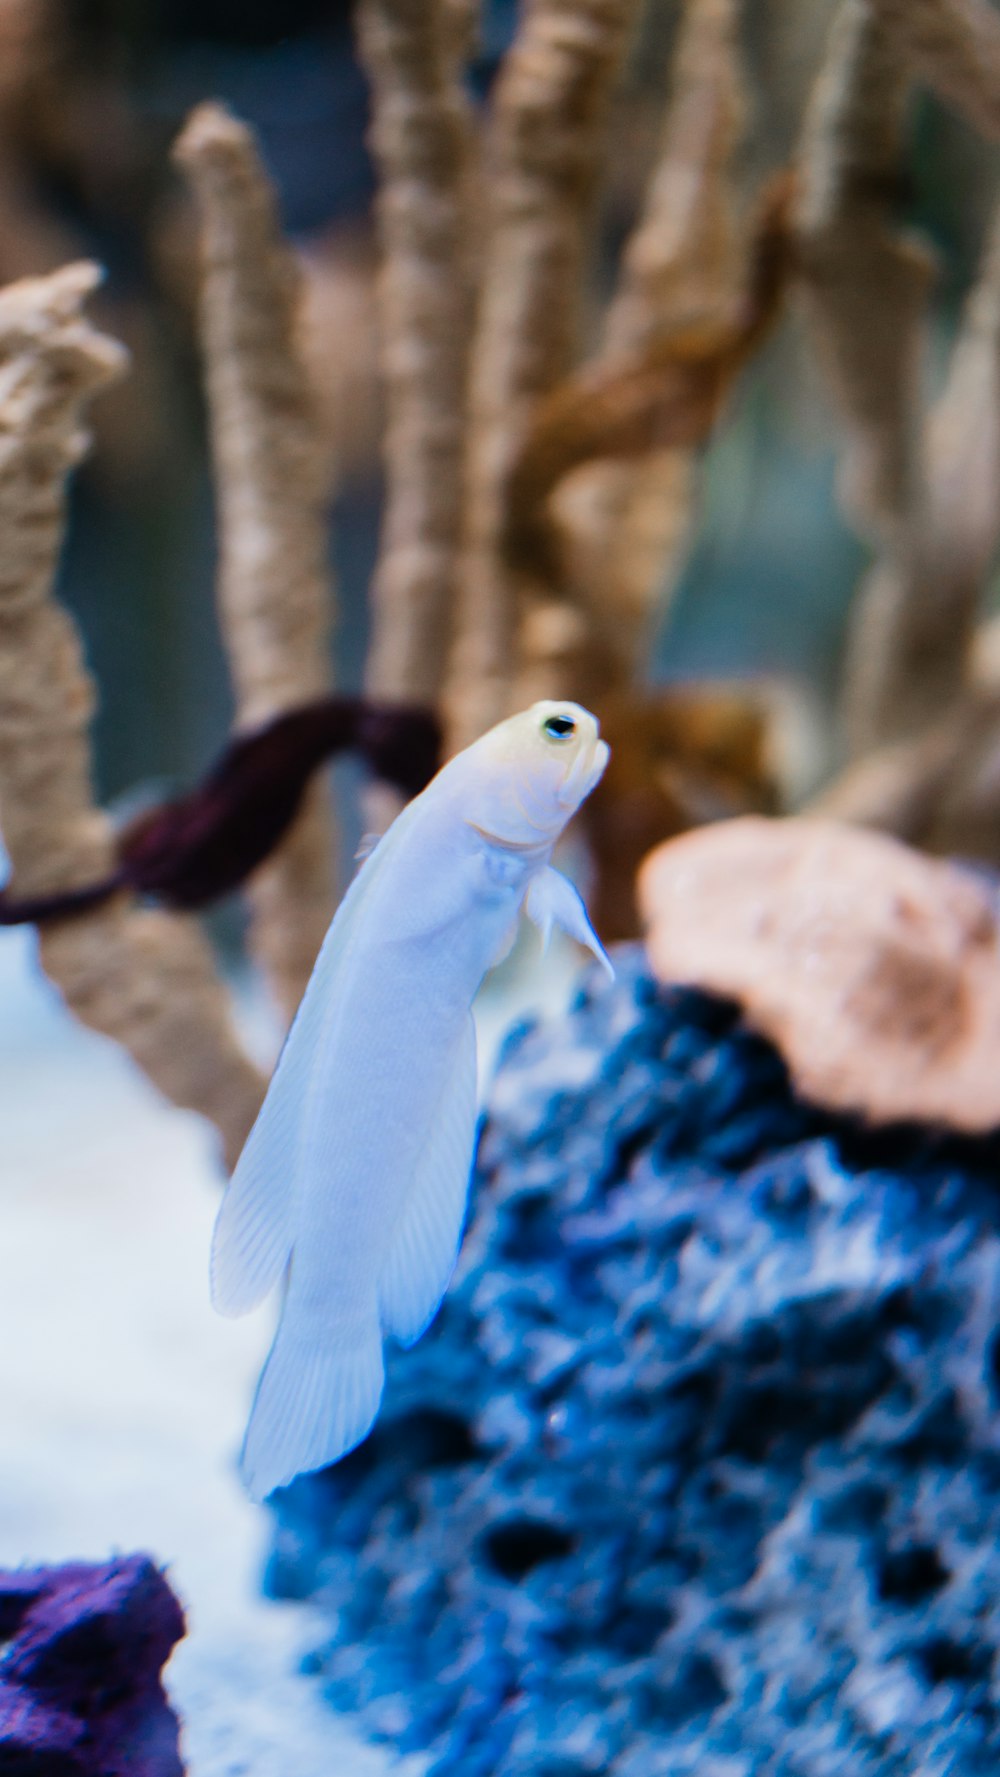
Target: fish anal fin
<point>426,1241</point>
<point>553,901</point>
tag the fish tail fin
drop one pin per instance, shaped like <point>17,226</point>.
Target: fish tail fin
<point>314,1402</point>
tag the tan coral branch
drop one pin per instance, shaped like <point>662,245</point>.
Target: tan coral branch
<point>962,457</point>
<point>666,396</point>
<point>681,267</point>
<point>927,494</point>
<point>145,979</point>
<point>420,137</point>
<point>541,161</point>
<point>864,290</point>
<point>940,786</point>
<point>272,491</point>
<point>953,45</point>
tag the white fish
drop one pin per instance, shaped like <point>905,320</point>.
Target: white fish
<point>355,1176</point>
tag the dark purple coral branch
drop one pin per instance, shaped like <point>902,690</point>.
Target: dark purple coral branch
<point>189,852</point>
<point>80,1690</point>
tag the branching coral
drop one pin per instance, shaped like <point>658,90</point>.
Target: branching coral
<point>144,978</point>
<point>923,494</point>
<point>697,295</point>
<point>953,45</point>
<point>682,271</point>
<point>30,240</point>
<point>421,139</point>
<point>667,396</point>
<point>936,785</point>
<point>865,291</point>
<point>271,488</point>
<point>541,162</point>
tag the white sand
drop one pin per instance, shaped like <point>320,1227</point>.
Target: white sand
<point>123,1397</point>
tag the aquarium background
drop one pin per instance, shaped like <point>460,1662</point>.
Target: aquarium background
<point>123,1398</point>
<point>767,583</point>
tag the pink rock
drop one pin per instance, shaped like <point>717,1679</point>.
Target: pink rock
<point>874,969</point>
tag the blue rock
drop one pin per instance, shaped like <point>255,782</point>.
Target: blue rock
<point>698,1469</point>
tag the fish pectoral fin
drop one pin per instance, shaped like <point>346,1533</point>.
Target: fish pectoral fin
<point>553,901</point>
<point>316,1399</point>
<point>425,1245</point>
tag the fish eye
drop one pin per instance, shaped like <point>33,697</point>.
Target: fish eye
<point>558,727</point>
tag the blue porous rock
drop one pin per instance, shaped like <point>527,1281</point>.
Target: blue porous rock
<point>81,1647</point>
<point>698,1469</point>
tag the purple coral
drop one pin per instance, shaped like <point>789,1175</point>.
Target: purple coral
<point>81,1648</point>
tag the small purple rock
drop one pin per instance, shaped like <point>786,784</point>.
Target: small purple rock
<point>80,1690</point>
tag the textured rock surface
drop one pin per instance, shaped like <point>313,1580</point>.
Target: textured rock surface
<point>698,1471</point>
<point>875,969</point>
<point>81,1647</point>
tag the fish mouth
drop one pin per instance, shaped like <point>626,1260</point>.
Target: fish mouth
<point>584,773</point>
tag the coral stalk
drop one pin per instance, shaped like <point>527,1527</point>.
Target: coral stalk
<point>145,979</point>
<point>865,290</point>
<point>953,45</point>
<point>271,488</point>
<point>542,159</point>
<point>682,266</point>
<point>420,137</point>
<point>669,395</point>
<point>934,783</point>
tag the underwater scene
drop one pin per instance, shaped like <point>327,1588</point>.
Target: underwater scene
<point>499,888</point>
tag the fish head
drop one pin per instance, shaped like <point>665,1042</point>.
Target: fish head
<point>533,772</point>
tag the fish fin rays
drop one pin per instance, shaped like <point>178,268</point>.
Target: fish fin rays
<point>314,1403</point>
<point>252,1242</point>
<point>552,900</point>
<point>425,1247</point>
<point>255,1226</point>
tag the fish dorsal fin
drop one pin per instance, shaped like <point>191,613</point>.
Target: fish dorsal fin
<point>553,901</point>
<point>425,1245</point>
<point>255,1227</point>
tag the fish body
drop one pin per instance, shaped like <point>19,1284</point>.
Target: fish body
<point>354,1180</point>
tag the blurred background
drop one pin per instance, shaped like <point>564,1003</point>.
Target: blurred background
<point>92,92</point>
